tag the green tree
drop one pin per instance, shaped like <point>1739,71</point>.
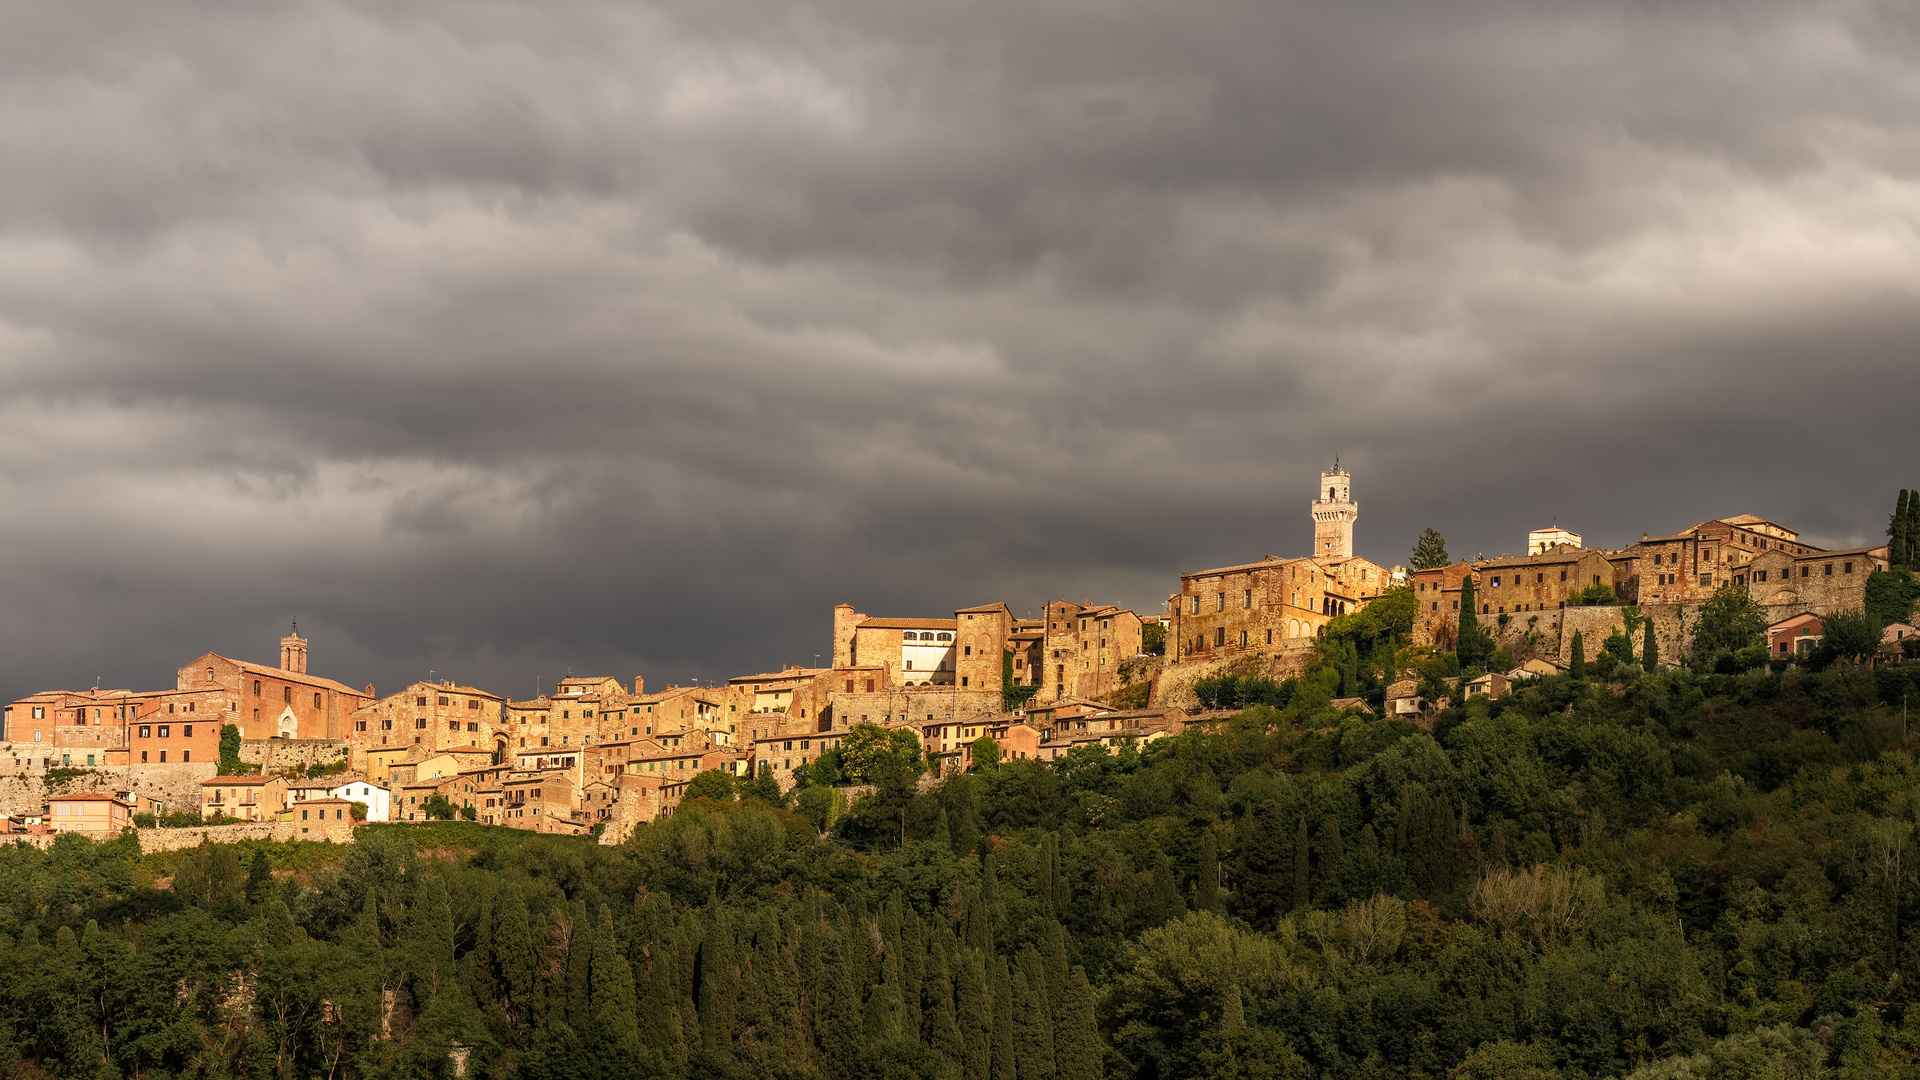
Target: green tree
<point>1076,1038</point>
<point>438,808</point>
<point>868,752</point>
<point>259,878</point>
<point>1649,647</point>
<point>1430,551</point>
<point>1153,638</point>
<point>715,784</point>
<point>1005,1049</point>
<point>1472,643</point>
<point>1206,888</point>
<point>1901,533</point>
<point>1891,595</point>
<point>986,752</point>
<point>1577,667</point>
<point>1729,621</point>
<point>230,763</point>
<point>1850,635</point>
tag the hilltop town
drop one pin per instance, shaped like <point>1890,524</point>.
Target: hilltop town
<point>275,747</point>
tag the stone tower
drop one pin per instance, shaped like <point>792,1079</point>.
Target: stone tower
<point>293,652</point>
<point>1333,514</point>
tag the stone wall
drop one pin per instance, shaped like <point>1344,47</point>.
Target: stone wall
<point>1173,685</point>
<point>942,703</point>
<point>274,754</point>
<point>25,791</point>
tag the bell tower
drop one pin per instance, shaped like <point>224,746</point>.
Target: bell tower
<point>1334,512</point>
<point>293,652</point>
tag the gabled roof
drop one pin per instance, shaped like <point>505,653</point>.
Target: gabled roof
<point>777,676</point>
<point>909,624</point>
<point>282,674</point>
<point>1793,620</point>
<point>87,796</point>
<point>1262,563</point>
<point>982,609</point>
<point>249,780</point>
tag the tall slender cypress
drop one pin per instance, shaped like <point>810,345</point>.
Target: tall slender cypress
<point>1300,855</point>
<point>1332,850</point>
<point>515,958</point>
<point>579,937</point>
<point>1003,1048</point>
<point>1578,666</point>
<point>1206,888</point>
<point>939,1017</point>
<point>1033,1034</point>
<point>974,1010</point>
<point>913,964</point>
<point>1898,540</point>
<point>614,1003</point>
<point>1649,648</point>
<point>1913,530</point>
<point>1076,1035</point>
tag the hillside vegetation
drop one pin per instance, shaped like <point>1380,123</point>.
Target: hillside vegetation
<point>1668,874</point>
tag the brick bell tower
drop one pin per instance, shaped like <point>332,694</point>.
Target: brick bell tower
<point>1334,514</point>
<point>293,652</point>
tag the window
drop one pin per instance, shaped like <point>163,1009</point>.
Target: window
<point>1759,575</point>
<point>163,756</point>
<point>1220,604</point>
<point>1806,571</point>
<point>316,700</point>
<point>146,732</point>
<point>443,699</point>
<point>1563,575</point>
<point>143,756</point>
<point>1848,568</point>
<point>1496,581</point>
<point>186,755</point>
<point>39,712</point>
<point>186,731</point>
<point>1829,572</point>
<point>1195,608</point>
<point>420,700</point>
<point>1269,637</point>
<point>165,730</point>
<point>1706,581</point>
<point>420,723</point>
<point>1246,599</point>
<point>1220,636</point>
<point>1537,578</point>
<point>1243,644</point>
<point>286,695</point>
<point>256,688</point>
<point>1656,560</point>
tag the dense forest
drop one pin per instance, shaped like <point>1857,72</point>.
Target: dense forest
<point>1691,872</point>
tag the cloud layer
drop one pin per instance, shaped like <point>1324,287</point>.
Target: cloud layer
<point>495,340</point>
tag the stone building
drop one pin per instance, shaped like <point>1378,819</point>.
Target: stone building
<point>1254,608</point>
<point>1082,647</point>
<point>432,716</point>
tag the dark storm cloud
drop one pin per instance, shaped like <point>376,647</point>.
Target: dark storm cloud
<point>492,339</point>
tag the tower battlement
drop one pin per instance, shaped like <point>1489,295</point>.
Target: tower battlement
<point>1334,513</point>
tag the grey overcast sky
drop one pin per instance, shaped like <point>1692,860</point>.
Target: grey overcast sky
<point>500,339</point>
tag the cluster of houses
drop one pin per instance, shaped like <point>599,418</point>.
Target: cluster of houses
<point>598,754</point>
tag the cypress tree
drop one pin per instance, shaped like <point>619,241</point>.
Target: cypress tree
<point>614,1003</point>
<point>514,957</point>
<point>1233,1014</point>
<point>1054,951</point>
<point>913,963</point>
<point>1034,1042</point>
<point>979,934</point>
<point>940,1020</point>
<point>1206,889</point>
<point>1266,870</point>
<point>429,939</point>
<point>660,1004</point>
<point>974,1010</point>
<point>1300,876</point>
<point>1331,852</point>
<point>259,878</point>
<point>1578,667</point>
<point>1003,1049</point>
<point>1470,642</point>
<point>847,1025</point>
<point>1897,538</point>
<point>578,934</point>
<point>1649,648</point>
<point>883,1018</point>
<point>481,979</point>
<point>1913,530</point>
<point>990,894</point>
<point>719,988</point>
<point>1076,1036</point>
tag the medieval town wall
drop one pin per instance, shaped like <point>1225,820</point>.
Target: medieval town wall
<point>272,755</point>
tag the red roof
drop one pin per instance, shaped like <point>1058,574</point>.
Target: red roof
<point>238,781</point>
<point>87,796</point>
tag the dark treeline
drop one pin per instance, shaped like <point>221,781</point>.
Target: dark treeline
<point>1680,874</point>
